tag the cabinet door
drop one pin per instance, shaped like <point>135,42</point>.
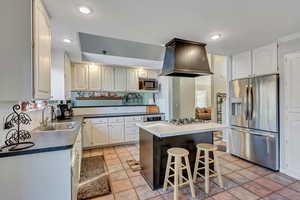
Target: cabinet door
<point>291,115</point>
<point>241,65</point>
<point>80,77</point>
<point>87,134</point>
<point>120,79</point>
<point>265,60</point>
<point>42,52</point>
<point>107,78</point>
<point>152,74</point>
<point>131,133</point>
<point>116,133</point>
<point>100,134</point>
<point>142,73</point>
<point>67,75</point>
<point>132,80</point>
<point>94,77</point>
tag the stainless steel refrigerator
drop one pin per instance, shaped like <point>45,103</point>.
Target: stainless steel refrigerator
<point>254,132</point>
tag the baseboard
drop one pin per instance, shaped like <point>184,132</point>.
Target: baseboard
<point>290,173</point>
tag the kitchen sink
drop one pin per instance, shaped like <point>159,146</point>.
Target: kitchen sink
<point>64,126</point>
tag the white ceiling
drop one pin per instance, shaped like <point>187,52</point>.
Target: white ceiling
<point>244,24</point>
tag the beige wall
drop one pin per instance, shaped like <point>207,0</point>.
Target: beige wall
<point>219,83</point>
<point>183,97</point>
<point>204,83</point>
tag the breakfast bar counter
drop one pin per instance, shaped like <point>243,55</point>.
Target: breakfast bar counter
<point>157,137</point>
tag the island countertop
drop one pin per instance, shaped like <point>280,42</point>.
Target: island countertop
<point>166,129</point>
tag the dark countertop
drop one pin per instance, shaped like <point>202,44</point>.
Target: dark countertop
<point>114,105</point>
<point>46,141</point>
<point>119,115</point>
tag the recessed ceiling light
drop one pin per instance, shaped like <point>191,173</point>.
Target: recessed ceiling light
<point>216,36</point>
<point>66,40</point>
<point>85,10</point>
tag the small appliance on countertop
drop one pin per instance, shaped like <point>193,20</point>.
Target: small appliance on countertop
<point>65,110</point>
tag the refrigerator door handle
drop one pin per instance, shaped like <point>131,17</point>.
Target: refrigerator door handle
<point>251,104</point>
<point>247,100</point>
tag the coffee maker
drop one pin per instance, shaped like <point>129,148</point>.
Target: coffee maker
<point>64,110</point>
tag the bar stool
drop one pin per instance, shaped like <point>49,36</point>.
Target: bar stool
<point>178,154</point>
<point>207,148</point>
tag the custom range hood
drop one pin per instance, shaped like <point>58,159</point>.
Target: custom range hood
<point>185,58</point>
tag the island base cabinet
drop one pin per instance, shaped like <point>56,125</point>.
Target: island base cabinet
<point>153,153</point>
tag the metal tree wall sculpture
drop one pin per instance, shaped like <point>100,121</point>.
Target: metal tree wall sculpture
<point>15,137</point>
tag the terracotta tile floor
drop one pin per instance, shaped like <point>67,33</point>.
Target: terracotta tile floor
<point>242,180</point>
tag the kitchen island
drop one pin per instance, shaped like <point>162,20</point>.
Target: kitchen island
<point>157,137</point>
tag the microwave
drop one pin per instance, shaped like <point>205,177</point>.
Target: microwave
<point>148,84</point>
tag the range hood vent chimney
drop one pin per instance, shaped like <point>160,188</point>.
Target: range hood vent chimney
<point>185,58</point>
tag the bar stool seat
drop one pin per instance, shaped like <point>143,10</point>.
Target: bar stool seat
<point>205,161</point>
<point>209,147</point>
<point>178,154</point>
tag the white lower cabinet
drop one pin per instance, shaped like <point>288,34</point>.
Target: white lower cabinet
<point>87,134</point>
<point>132,133</point>
<point>114,130</point>
<point>116,133</point>
<point>100,134</point>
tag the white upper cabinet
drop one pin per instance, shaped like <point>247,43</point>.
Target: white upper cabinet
<point>265,60</point>
<point>120,79</point>
<point>241,65</point>
<point>146,73</point>
<point>94,77</point>
<point>259,61</point>
<point>132,79</point>
<point>80,77</point>
<point>97,77</point>
<point>142,73</point>
<point>152,74</point>
<point>42,52</point>
<point>108,78</point>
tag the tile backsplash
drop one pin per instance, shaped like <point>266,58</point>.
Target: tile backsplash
<point>123,98</point>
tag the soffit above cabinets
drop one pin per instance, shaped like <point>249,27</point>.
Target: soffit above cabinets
<point>115,51</point>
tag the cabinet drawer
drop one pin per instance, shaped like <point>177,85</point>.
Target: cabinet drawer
<point>130,130</point>
<point>133,119</point>
<point>131,136</point>
<point>99,120</point>
<point>116,120</point>
<point>130,124</point>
